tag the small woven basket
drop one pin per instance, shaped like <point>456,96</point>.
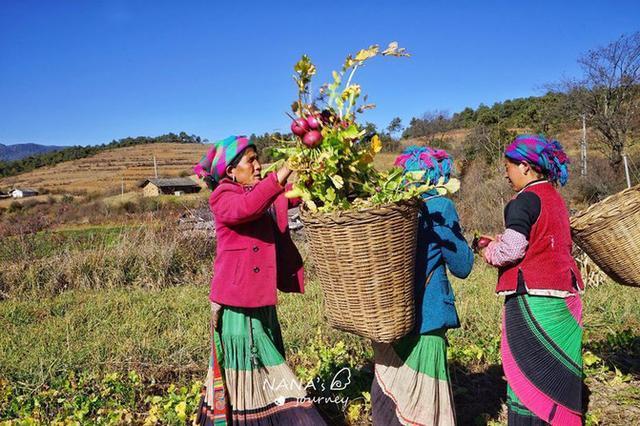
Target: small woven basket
<point>609,232</point>
<point>365,261</point>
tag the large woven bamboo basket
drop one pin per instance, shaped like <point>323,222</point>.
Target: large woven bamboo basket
<point>609,232</point>
<point>365,261</point>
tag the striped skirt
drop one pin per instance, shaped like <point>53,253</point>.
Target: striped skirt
<point>411,384</point>
<point>542,359</point>
<point>248,380</point>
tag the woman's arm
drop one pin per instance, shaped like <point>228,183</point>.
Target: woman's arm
<point>506,248</point>
<point>455,250</point>
<point>232,208</point>
<point>520,215</point>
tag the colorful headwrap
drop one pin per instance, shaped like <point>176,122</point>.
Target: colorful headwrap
<point>220,155</point>
<point>547,156</point>
<point>435,163</point>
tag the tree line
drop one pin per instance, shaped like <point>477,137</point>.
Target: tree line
<point>606,96</point>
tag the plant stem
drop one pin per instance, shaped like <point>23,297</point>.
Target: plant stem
<point>351,75</point>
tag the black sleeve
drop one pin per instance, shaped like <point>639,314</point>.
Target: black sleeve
<point>522,212</point>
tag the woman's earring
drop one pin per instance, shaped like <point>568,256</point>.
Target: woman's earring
<point>234,178</point>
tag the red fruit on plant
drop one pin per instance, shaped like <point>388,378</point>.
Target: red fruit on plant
<point>483,242</point>
<point>299,127</point>
<point>312,138</point>
<point>313,122</point>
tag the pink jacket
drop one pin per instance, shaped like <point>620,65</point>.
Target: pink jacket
<point>254,255</point>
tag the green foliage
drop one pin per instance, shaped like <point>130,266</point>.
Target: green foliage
<point>11,168</point>
<point>162,336</point>
<point>538,114</point>
<point>265,143</point>
<point>110,399</point>
<point>338,174</point>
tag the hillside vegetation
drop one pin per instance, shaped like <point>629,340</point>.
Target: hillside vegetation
<point>104,172</point>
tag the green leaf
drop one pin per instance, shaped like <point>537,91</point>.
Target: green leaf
<point>415,176</point>
<point>331,195</point>
<point>337,180</point>
<point>295,192</point>
<point>450,187</point>
<point>351,132</point>
<point>590,359</point>
<point>365,54</point>
<point>272,167</point>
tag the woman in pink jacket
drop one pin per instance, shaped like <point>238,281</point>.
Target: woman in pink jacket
<point>255,256</point>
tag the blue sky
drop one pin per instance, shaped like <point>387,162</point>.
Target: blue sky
<point>86,72</point>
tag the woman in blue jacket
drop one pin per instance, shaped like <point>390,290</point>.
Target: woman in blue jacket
<point>411,384</point>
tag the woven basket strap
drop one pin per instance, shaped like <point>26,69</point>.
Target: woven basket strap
<point>426,282</point>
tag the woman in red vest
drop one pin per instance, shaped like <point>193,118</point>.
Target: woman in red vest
<point>542,318</point>
<point>248,380</point>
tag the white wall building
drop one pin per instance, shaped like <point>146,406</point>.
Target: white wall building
<point>21,193</point>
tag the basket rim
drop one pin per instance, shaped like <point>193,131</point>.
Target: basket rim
<point>340,216</point>
<point>588,215</point>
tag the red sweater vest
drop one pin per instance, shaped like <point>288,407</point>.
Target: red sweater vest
<point>547,264</point>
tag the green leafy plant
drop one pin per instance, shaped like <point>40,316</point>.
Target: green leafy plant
<point>331,153</point>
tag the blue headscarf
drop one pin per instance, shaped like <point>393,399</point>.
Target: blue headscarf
<point>547,156</point>
<point>435,163</point>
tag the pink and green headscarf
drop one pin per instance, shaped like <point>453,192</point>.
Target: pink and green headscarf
<point>214,163</point>
<point>547,156</point>
<point>436,163</point>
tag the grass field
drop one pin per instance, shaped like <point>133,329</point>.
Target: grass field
<point>108,323</point>
<point>131,351</point>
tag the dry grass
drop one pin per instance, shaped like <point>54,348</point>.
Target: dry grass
<point>145,256</point>
<point>136,196</point>
<point>39,199</point>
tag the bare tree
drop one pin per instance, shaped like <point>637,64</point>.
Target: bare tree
<point>609,93</point>
<point>433,125</point>
<point>487,142</point>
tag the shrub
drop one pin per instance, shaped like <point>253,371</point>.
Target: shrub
<point>14,206</point>
<point>482,197</point>
<point>147,256</point>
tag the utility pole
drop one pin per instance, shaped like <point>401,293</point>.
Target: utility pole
<point>155,165</point>
<point>583,149</point>
<point>626,169</point>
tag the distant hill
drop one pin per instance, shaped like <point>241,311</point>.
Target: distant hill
<point>107,170</point>
<point>13,168</point>
<point>24,150</point>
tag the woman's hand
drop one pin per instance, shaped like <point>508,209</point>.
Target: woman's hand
<point>480,243</point>
<point>283,174</point>
<point>216,311</point>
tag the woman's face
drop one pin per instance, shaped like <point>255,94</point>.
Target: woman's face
<point>247,172</point>
<point>516,174</point>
